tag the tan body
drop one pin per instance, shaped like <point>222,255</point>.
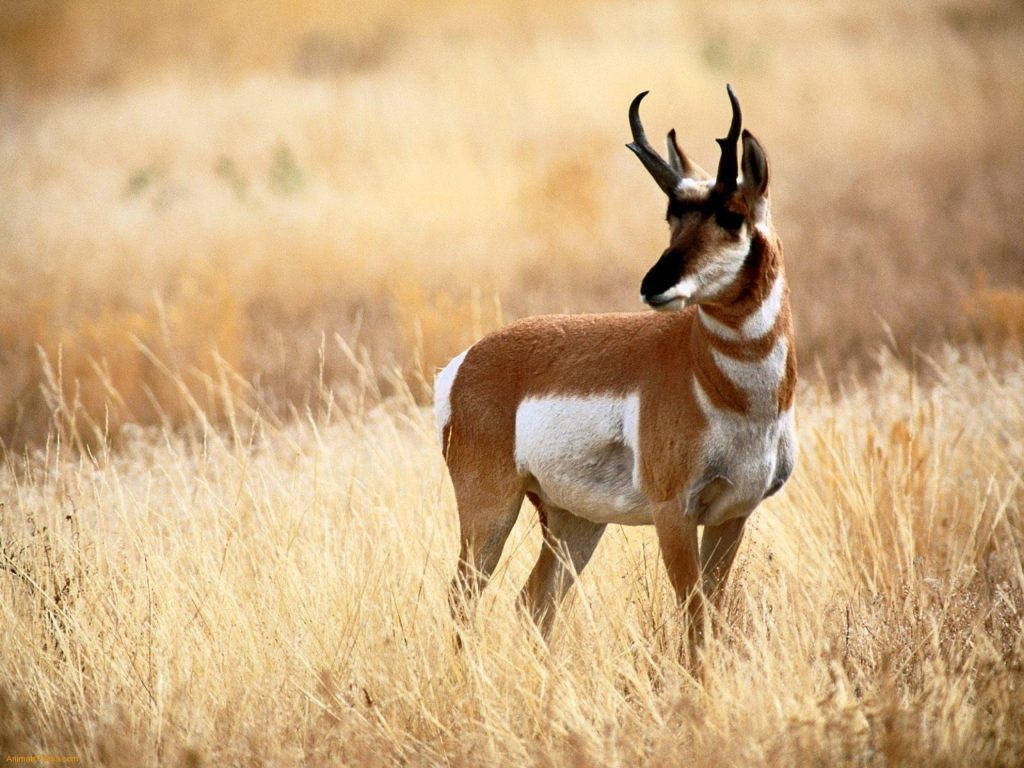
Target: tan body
<point>677,419</point>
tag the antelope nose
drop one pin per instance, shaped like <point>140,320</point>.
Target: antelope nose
<point>660,278</point>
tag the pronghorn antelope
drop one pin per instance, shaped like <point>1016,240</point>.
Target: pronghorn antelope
<point>676,418</point>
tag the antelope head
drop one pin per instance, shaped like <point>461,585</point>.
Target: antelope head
<point>711,218</point>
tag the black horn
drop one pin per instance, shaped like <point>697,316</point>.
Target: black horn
<point>728,165</point>
<point>668,178</point>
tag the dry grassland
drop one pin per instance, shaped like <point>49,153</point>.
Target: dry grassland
<point>236,240</point>
<point>279,597</point>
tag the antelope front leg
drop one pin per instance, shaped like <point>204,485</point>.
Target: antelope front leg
<point>718,548</point>
<point>677,538</point>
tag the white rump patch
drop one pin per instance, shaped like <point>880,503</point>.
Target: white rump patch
<point>443,394</point>
<point>582,454</point>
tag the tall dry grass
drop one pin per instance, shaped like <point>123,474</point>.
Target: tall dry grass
<point>277,597</point>
<point>182,176</point>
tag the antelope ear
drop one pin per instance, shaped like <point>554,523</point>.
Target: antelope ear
<point>755,169</point>
<point>675,154</point>
<point>683,165</point>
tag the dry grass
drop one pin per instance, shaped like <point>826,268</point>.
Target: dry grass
<point>235,241</point>
<point>278,597</point>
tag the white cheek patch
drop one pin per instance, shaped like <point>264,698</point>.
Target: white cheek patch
<point>723,269</point>
<point>443,394</point>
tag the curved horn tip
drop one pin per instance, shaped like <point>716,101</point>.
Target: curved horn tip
<point>732,94</point>
<point>732,97</point>
<point>637,99</point>
<point>737,115</point>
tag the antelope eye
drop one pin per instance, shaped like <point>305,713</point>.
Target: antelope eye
<point>728,219</point>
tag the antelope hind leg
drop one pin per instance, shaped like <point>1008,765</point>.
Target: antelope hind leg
<point>569,542</point>
<point>485,521</point>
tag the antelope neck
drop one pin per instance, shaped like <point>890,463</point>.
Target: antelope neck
<point>743,350</point>
<point>746,308</point>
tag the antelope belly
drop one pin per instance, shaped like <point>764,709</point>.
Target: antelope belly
<point>580,454</point>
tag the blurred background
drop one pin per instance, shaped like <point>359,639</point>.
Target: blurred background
<point>267,199</point>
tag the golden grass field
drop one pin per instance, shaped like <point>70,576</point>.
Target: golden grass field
<point>237,240</point>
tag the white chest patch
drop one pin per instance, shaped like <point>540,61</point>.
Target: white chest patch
<point>580,454</point>
<point>745,458</point>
